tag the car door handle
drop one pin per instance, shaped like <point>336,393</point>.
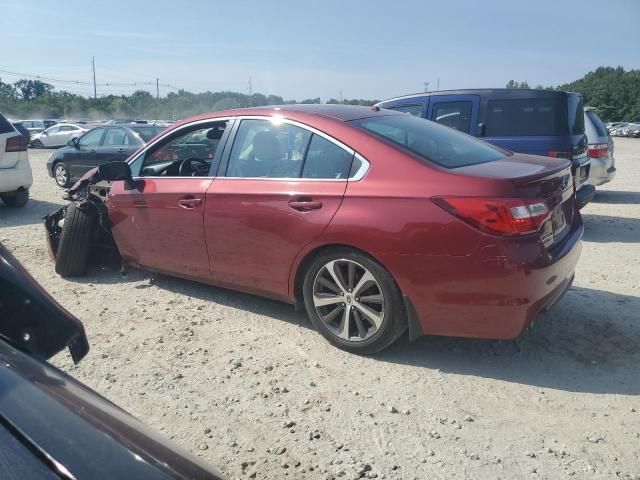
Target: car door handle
<point>305,205</point>
<point>189,203</point>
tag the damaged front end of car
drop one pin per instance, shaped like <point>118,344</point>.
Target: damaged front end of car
<point>89,194</point>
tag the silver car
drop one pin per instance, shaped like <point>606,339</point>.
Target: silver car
<point>57,136</point>
<point>600,151</point>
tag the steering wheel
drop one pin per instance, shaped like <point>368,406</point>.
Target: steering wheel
<point>186,163</point>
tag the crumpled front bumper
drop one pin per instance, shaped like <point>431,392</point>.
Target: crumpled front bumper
<point>52,228</point>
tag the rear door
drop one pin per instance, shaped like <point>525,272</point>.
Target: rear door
<point>113,146</point>
<point>84,157</point>
<point>282,185</point>
<point>456,111</point>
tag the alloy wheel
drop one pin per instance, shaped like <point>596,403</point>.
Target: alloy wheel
<point>60,174</point>
<point>348,300</point>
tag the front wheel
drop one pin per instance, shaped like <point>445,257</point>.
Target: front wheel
<point>37,144</point>
<point>61,175</point>
<point>354,302</point>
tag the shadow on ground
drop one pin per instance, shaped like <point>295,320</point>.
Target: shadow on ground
<point>589,342</point>
<point>605,228</point>
<point>30,214</point>
<point>229,298</point>
<point>614,197</point>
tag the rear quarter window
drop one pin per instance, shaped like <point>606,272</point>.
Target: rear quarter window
<point>525,117</point>
<point>5,126</point>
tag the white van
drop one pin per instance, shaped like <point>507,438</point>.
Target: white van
<point>15,170</point>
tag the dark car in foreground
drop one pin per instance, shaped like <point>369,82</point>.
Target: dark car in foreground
<point>97,146</point>
<point>53,427</point>
<point>536,122</point>
<point>373,220</point>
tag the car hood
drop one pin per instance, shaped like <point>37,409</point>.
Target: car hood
<point>32,321</point>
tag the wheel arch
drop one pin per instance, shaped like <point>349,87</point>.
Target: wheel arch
<point>306,258</point>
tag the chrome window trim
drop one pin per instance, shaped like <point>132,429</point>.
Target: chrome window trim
<point>357,176</point>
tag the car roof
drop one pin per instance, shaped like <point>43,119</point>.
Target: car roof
<point>505,92</point>
<point>301,112</point>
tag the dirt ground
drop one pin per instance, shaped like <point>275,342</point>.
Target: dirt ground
<point>248,385</point>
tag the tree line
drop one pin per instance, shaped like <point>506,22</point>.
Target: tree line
<point>613,91</point>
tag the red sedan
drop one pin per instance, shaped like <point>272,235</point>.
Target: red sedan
<point>375,221</point>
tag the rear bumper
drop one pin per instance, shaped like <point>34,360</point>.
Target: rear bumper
<point>12,179</point>
<point>602,171</point>
<point>495,293</point>
<point>585,195</point>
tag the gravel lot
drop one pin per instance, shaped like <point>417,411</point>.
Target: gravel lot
<point>248,385</point>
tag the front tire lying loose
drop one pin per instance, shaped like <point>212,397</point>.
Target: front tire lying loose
<point>72,257</point>
<point>354,302</point>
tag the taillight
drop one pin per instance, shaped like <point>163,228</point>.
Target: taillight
<point>16,144</point>
<point>506,216</point>
<point>599,150</point>
<point>554,154</point>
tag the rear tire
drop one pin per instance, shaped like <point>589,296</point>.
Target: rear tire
<point>72,258</point>
<point>16,199</point>
<point>353,301</point>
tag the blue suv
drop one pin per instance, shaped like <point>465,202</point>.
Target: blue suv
<point>538,122</point>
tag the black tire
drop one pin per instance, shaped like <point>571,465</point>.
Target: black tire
<point>16,199</point>
<point>394,321</point>
<point>57,176</point>
<point>37,144</point>
<point>72,258</point>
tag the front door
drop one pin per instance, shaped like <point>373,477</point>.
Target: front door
<point>158,224</point>
<point>113,146</point>
<point>455,111</point>
<point>282,186</point>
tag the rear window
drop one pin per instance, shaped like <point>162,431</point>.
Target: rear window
<point>597,124</point>
<point>433,142</point>
<point>576,114</point>
<point>5,126</point>
<point>411,109</point>
<point>147,133</point>
<point>526,117</point>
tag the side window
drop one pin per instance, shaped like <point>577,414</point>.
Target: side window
<point>326,160</point>
<point>415,110</point>
<point>265,149</point>
<point>92,138</point>
<point>114,137</point>
<point>189,154</point>
<point>53,130</point>
<point>453,114</point>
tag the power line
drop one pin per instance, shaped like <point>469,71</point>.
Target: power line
<point>80,82</point>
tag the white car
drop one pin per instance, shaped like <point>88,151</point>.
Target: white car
<point>603,165</point>
<point>15,170</point>
<point>57,136</point>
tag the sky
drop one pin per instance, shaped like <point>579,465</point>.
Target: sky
<point>305,49</point>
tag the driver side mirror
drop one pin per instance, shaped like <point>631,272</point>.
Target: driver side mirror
<point>113,171</point>
<point>73,142</point>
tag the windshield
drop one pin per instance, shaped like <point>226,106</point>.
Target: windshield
<point>433,142</point>
<point>147,133</point>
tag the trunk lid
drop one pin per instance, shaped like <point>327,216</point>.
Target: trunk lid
<point>534,177</point>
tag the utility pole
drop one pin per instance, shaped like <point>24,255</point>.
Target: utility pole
<point>426,86</point>
<point>93,68</point>
<point>438,85</point>
<point>157,99</point>
<point>340,95</point>
<point>250,86</point>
